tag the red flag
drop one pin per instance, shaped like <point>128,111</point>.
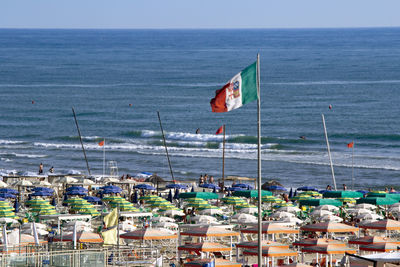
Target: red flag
<point>101,143</point>
<point>220,130</point>
<point>350,145</point>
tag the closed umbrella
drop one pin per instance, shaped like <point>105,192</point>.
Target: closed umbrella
<point>169,198</point>
<point>176,195</point>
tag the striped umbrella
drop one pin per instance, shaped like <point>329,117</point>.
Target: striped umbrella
<point>308,242</point>
<point>301,197</point>
<point>347,200</point>
<point>204,247</point>
<point>149,234</point>
<point>330,227</point>
<point>148,197</point>
<point>110,198</point>
<point>196,200</point>
<point>233,201</point>
<point>382,225</point>
<point>209,231</point>
<point>75,200</point>
<point>264,243</point>
<point>311,193</point>
<point>329,249</point>
<point>271,228</point>
<point>271,252</point>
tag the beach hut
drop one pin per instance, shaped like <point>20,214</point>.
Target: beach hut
<point>205,247</point>
<point>272,252</point>
<point>330,227</point>
<point>328,250</point>
<point>380,247</point>
<point>366,240</point>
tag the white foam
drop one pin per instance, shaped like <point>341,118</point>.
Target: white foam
<point>238,146</point>
<point>181,136</point>
<point>19,155</point>
<point>10,142</point>
<point>5,159</point>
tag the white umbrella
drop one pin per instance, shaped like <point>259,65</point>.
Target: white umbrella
<point>111,180</point>
<point>282,214</point>
<point>23,183</point>
<point>87,182</point>
<point>244,218</point>
<point>210,211</point>
<point>357,212</point>
<point>35,234</point>
<point>367,206</point>
<point>166,225</point>
<point>320,213</point>
<point>292,220</point>
<point>327,207</point>
<point>43,183</point>
<point>369,216</point>
<point>5,240</point>
<point>7,220</point>
<point>172,213</point>
<point>66,180</point>
<point>289,209</point>
<point>3,184</point>
<point>162,219</point>
<point>330,218</point>
<point>248,210</point>
<point>29,231</point>
<point>127,227</point>
<point>395,209</point>
<point>203,219</point>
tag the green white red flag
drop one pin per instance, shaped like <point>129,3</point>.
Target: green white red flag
<point>240,90</point>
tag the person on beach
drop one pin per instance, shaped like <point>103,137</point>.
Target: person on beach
<point>201,180</point>
<point>51,170</point>
<point>211,180</point>
<point>205,178</point>
<point>41,168</point>
<point>344,187</point>
<point>329,188</point>
<point>392,190</point>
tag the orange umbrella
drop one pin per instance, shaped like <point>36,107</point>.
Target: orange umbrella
<point>271,252</point>
<point>81,237</point>
<point>149,234</point>
<point>381,247</point>
<point>318,242</point>
<point>329,249</point>
<point>204,247</point>
<point>366,240</point>
<point>271,228</point>
<point>382,225</point>
<point>209,231</point>
<point>218,262</point>
<point>330,227</point>
<point>254,244</point>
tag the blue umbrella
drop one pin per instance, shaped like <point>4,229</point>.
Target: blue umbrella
<point>16,205</point>
<point>192,189</point>
<point>145,187</point>
<point>290,193</point>
<point>111,187</point>
<point>214,190</point>
<point>135,197</point>
<point>7,195</point>
<point>9,191</point>
<point>36,189</point>
<point>275,188</point>
<point>179,186</point>
<point>76,192</point>
<point>169,198</point>
<point>65,198</point>
<point>295,193</point>
<point>307,188</point>
<point>243,186</point>
<point>212,186</point>
<point>323,191</point>
<point>92,199</point>
<point>111,191</point>
<point>235,189</point>
<point>80,188</point>
<point>41,194</point>
<point>53,202</point>
<point>363,192</point>
<point>176,195</point>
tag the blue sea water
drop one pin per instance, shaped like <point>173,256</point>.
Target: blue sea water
<point>303,71</point>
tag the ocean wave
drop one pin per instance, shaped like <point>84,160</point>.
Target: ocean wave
<point>11,142</point>
<point>19,155</point>
<point>5,159</point>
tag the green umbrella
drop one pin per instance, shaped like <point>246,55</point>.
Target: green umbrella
<point>209,207</point>
<point>4,204</point>
<point>4,208</point>
<point>233,201</point>
<point>36,201</point>
<point>251,193</point>
<point>197,205</point>
<point>110,198</point>
<point>347,200</point>
<point>148,197</point>
<point>301,197</point>
<point>342,194</point>
<point>48,212</point>
<point>132,209</point>
<point>90,212</point>
<point>204,195</point>
<point>311,193</point>
<point>196,200</point>
<point>377,200</point>
<point>246,205</point>
<point>75,200</point>
<point>320,202</point>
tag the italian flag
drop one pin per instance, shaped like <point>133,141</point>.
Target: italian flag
<point>240,90</point>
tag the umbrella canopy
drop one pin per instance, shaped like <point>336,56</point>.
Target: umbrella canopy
<point>204,247</point>
<point>330,227</point>
<point>275,188</point>
<point>254,244</point>
<point>382,225</point>
<point>154,179</point>
<point>366,240</point>
<point>369,216</point>
<point>209,231</point>
<point>251,193</point>
<point>233,200</point>
<point>271,252</point>
<point>365,206</point>
<point>380,247</point>
<point>289,209</point>
<point>9,191</point>
<point>178,186</point>
<point>92,199</point>
<point>327,207</point>
<point>307,188</point>
<point>311,193</point>
<point>377,200</point>
<point>329,249</point>
<point>3,184</point>
<point>244,218</point>
<point>144,187</point>
<point>330,218</point>
<point>7,195</point>
<point>210,211</point>
<point>23,183</point>
<point>204,195</point>
<point>319,202</point>
<point>42,194</point>
<point>79,188</point>
<point>208,262</point>
<point>282,214</point>
<point>342,194</point>
<point>149,234</point>
<point>271,228</point>
<point>81,237</point>
<point>320,213</point>
<point>308,242</point>
<point>172,213</point>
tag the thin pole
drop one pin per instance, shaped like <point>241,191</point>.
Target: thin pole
<point>329,152</point>
<point>165,145</point>
<point>104,157</point>
<point>352,168</point>
<point>259,163</point>
<point>223,160</point>
<point>80,139</point>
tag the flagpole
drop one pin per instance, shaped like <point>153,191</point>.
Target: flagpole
<point>165,145</point>
<point>352,168</point>
<point>80,138</point>
<point>223,161</point>
<point>259,163</point>
<point>104,157</point>
<point>329,152</point>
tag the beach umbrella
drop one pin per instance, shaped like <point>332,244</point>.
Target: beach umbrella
<point>347,200</point>
<point>380,247</point>
<point>244,218</point>
<point>110,198</point>
<point>149,234</point>
<point>366,240</point>
<point>309,242</point>
<point>81,237</point>
<point>271,228</point>
<point>204,247</point>
<point>212,262</point>
<point>249,210</point>
<point>290,193</point>
<point>234,189</point>
<point>330,218</point>
<point>9,191</point>
<point>251,193</point>
<point>342,194</point>
<point>7,195</point>
<point>301,197</point>
<point>172,213</point>
<point>66,180</point>
<point>307,188</point>
<point>357,212</point>
<point>3,184</point>
<point>78,188</point>
<point>369,216</point>
<point>271,252</point>
<point>290,209</point>
<point>319,202</point>
<point>275,188</point>
<point>176,195</point>
<point>327,207</point>
<point>93,213</point>
<point>245,186</point>
<point>264,244</point>
<point>233,200</point>
<point>210,211</point>
<point>363,191</point>
<point>204,195</point>
<point>295,193</point>
<point>203,219</point>
<point>281,214</point>
<point>111,191</point>
<point>41,194</point>
<point>330,227</point>
<point>176,186</point>
<point>210,186</point>
<point>209,231</point>
<point>36,201</point>
<point>23,183</point>
<point>169,198</point>
<point>144,187</point>
<point>319,213</point>
<point>196,200</point>
<point>92,199</point>
<point>329,249</point>
<point>311,193</point>
<point>377,200</point>
<point>148,197</point>
<point>8,220</point>
<point>386,224</point>
<point>16,205</point>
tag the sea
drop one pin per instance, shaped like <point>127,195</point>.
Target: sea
<point>117,80</point>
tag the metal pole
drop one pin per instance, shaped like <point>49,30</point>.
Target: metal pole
<point>104,158</point>
<point>165,145</point>
<point>80,139</point>
<point>329,152</point>
<point>352,168</point>
<point>259,163</point>
<point>223,160</point>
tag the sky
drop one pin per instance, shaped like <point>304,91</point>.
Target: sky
<point>144,14</point>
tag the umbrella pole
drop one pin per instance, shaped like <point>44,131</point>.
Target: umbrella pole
<point>165,145</point>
